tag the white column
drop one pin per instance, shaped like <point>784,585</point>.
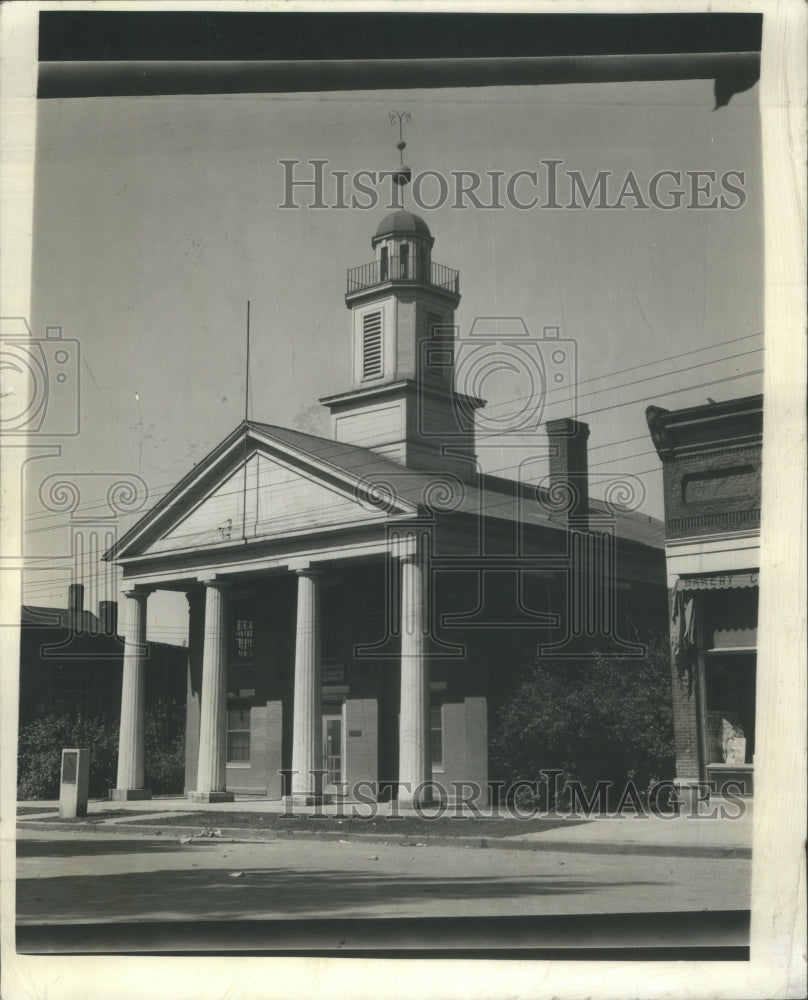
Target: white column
<point>211,775</point>
<point>193,696</point>
<point>130,782</point>
<point>307,735</point>
<point>414,751</point>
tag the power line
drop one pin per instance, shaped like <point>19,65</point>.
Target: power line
<point>648,364</point>
<point>165,488</point>
<point>278,521</point>
<point>614,388</point>
<point>659,395</point>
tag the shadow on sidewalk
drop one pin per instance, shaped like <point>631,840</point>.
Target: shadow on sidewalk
<point>279,891</point>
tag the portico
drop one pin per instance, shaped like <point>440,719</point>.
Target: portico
<point>214,593</point>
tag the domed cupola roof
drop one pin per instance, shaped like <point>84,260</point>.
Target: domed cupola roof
<point>402,223</point>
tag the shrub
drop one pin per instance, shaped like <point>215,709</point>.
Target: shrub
<point>41,742</point>
<point>40,747</point>
<point>165,747</point>
<point>602,718</point>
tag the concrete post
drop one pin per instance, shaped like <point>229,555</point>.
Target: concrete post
<point>131,754</point>
<point>307,714</point>
<point>74,783</point>
<point>211,781</point>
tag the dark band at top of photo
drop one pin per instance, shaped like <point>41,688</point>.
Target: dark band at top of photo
<point>110,53</point>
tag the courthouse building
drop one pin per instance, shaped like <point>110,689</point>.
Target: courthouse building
<point>361,604</point>
<point>711,457</point>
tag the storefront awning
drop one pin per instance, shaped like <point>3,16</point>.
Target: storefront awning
<point>719,581</point>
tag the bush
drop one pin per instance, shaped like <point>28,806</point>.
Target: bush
<point>39,759</point>
<point>165,747</point>
<point>603,718</point>
<point>41,742</point>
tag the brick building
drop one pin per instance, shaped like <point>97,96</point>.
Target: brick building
<point>71,661</point>
<point>361,604</point>
<point>711,458</point>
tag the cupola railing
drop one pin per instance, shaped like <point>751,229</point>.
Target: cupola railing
<point>396,268</point>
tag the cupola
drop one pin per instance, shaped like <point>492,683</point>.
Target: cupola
<point>402,402</point>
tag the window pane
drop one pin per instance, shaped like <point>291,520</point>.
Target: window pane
<point>243,635</point>
<point>238,747</point>
<point>238,732</point>
<point>238,718</point>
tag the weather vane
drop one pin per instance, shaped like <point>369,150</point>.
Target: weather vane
<point>403,174</point>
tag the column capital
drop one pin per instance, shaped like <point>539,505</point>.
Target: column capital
<point>410,542</point>
<point>137,591</point>
<point>214,581</point>
<point>312,571</point>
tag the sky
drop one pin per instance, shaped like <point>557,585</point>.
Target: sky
<point>156,219</point>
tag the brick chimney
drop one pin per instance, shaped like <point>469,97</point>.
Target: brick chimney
<point>75,604</point>
<point>108,617</point>
<point>569,467</point>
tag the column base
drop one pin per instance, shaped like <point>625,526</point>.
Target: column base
<point>410,805</point>
<point>307,799</point>
<point>210,796</point>
<point>129,794</point>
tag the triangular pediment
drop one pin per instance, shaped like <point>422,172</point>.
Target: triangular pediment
<point>252,492</point>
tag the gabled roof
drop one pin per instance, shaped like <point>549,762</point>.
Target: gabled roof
<point>360,473</point>
<point>336,466</point>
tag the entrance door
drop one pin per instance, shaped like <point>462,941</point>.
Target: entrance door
<point>332,754</point>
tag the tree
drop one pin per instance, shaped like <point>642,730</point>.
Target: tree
<point>598,718</point>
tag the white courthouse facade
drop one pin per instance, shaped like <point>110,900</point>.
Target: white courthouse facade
<point>360,604</point>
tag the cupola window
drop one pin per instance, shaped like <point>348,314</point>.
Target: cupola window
<point>384,264</point>
<point>372,362</point>
<point>404,261</point>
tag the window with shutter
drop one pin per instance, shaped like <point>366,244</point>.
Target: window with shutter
<point>372,366</point>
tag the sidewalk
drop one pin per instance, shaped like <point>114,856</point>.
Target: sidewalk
<point>251,819</point>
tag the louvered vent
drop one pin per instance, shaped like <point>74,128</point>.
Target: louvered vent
<point>372,346</point>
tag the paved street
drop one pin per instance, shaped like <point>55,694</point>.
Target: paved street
<point>68,876</point>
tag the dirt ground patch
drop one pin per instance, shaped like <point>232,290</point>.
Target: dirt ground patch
<point>407,827</point>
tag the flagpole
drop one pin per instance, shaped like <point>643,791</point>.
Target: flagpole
<point>246,429</point>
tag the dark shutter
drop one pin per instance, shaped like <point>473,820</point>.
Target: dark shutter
<point>372,346</point>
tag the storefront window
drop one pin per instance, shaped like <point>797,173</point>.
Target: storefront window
<point>728,657</point>
<point>730,696</point>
